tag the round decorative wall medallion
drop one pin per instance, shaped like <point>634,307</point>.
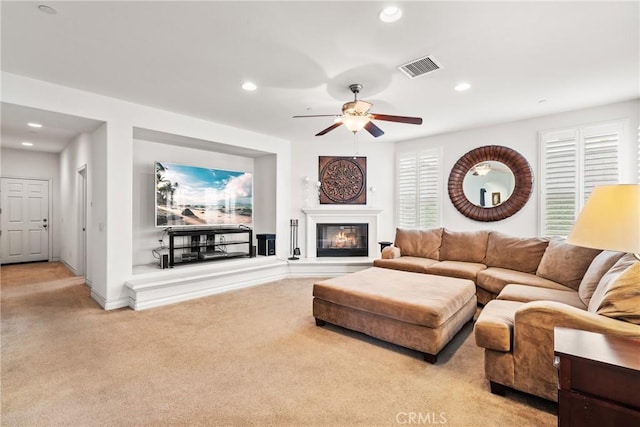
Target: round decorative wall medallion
<point>343,180</point>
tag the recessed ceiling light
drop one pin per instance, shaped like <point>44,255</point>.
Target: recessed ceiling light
<point>34,125</point>
<point>460,87</point>
<point>249,86</point>
<point>390,14</point>
<point>47,9</point>
<point>27,144</point>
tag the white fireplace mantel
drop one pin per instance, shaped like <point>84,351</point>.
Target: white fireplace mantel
<point>339,214</point>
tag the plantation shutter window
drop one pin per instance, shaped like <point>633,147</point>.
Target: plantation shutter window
<point>418,189</point>
<point>574,162</point>
<point>600,157</point>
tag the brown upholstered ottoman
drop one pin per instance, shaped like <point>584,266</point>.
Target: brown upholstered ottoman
<point>414,310</point>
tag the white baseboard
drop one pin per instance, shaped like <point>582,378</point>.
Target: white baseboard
<point>109,305</point>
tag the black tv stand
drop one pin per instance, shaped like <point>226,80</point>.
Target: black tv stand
<point>209,244</point>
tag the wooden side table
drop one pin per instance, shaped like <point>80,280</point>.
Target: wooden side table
<point>599,379</point>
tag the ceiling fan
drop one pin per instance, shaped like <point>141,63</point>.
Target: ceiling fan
<point>356,116</point>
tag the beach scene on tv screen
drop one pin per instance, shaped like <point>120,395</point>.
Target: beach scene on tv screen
<point>196,196</point>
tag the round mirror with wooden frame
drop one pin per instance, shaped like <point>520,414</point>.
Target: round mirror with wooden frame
<point>522,188</point>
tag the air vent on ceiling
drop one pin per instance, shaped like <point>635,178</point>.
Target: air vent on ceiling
<point>419,67</point>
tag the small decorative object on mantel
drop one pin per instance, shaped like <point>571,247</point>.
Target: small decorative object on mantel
<point>343,180</point>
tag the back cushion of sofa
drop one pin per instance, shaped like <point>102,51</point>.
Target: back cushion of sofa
<point>419,243</point>
<point>469,246</point>
<point>618,293</point>
<point>598,268</point>
<point>515,253</point>
<point>565,263</point>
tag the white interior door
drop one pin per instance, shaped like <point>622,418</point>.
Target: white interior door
<point>24,223</point>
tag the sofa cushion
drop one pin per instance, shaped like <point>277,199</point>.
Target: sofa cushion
<point>618,293</point>
<point>525,293</point>
<point>459,269</point>
<point>494,327</point>
<point>469,246</point>
<point>419,243</point>
<point>494,279</point>
<point>565,263</point>
<point>515,253</point>
<point>406,263</point>
<point>599,266</point>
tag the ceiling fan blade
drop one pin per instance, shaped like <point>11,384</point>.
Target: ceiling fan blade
<point>373,129</point>
<point>399,119</point>
<point>329,129</point>
<point>318,115</point>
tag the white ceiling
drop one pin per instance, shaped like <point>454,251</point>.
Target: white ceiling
<point>56,132</point>
<point>192,57</point>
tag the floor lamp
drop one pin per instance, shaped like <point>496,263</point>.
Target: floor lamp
<point>293,240</point>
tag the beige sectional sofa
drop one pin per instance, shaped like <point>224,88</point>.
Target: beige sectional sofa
<point>528,286</point>
<point>490,258</point>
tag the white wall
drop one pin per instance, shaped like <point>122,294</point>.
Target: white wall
<point>380,175</point>
<point>38,165</point>
<point>522,136</point>
<point>265,192</point>
<point>145,234</point>
<point>75,155</point>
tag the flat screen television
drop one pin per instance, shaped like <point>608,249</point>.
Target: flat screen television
<point>191,196</point>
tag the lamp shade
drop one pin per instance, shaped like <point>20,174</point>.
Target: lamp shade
<point>610,219</point>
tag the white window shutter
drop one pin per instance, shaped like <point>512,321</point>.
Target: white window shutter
<point>429,189</point>
<point>418,189</point>
<point>600,156</point>
<point>574,162</point>
<point>407,190</point>
<point>559,182</point>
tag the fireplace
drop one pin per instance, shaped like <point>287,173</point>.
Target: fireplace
<point>340,214</point>
<point>342,240</point>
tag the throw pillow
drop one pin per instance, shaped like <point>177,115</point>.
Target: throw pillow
<point>469,246</point>
<point>621,299</point>
<point>419,243</point>
<point>515,253</point>
<point>565,263</point>
<point>607,280</point>
<point>598,268</point>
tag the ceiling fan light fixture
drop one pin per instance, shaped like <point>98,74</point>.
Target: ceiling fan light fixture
<point>249,86</point>
<point>482,169</point>
<point>355,123</point>
<point>390,14</point>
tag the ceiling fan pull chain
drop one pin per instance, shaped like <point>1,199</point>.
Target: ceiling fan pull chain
<point>355,142</point>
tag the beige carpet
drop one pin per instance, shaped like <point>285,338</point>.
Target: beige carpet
<point>249,357</point>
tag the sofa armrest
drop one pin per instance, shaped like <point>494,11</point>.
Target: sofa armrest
<point>549,314</point>
<point>391,252</point>
<point>533,341</point>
